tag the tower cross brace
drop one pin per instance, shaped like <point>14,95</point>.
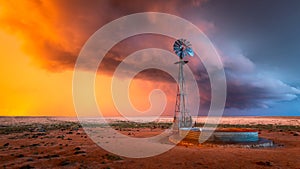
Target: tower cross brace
<point>182,117</point>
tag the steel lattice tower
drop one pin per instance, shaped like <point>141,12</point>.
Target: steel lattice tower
<point>182,117</point>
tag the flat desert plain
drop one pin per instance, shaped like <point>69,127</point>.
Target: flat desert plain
<point>42,142</point>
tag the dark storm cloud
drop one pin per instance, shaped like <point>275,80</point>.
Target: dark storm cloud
<point>248,88</point>
<point>267,32</point>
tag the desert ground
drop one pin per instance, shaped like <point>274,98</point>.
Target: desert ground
<point>51,143</point>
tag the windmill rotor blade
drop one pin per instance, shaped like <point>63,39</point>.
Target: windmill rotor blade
<point>182,48</point>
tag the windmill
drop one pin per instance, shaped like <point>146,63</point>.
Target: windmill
<point>182,117</point>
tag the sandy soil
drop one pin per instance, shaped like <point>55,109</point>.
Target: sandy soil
<point>70,147</point>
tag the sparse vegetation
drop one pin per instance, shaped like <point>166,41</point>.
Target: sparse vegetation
<point>128,124</point>
<point>36,127</point>
<point>123,125</point>
<point>112,157</point>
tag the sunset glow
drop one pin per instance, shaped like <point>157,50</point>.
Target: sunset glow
<point>41,40</point>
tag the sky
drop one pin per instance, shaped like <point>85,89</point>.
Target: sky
<point>258,42</point>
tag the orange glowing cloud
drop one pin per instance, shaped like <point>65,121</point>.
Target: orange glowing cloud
<point>26,90</point>
<point>41,40</point>
<point>53,32</point>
